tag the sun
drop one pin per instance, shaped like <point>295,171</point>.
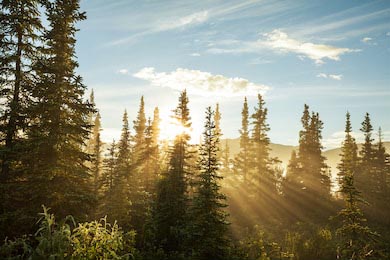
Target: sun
<point>171,127</point>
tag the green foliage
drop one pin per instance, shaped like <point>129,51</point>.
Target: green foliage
<point>208,220</point>
<point>100,240</point>
<point>89,240</point>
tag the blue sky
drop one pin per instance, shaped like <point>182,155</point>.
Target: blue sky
<point>332,55</point>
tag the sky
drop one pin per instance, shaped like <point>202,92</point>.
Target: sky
<point>332,55</point>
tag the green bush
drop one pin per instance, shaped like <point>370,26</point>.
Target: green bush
<point>89,240</point>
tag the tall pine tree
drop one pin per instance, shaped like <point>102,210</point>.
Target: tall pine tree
<point>171,204</point>
<point>208,226</point>
<point>241,163</point>
<point>59,127</point>
<point>356,239</point>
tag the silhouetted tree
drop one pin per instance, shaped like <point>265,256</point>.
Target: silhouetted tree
<point>208,226</point>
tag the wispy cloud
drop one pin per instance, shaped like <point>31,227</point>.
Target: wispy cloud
<point>342,20</point>
<point>281,42</point>
<point>166,25</point>
<point>192,19</point>
<point>366,39</point>
<point>201,83</point>
<point>154,23</point>
<point>330,76</point>
<point>195,54</point>
<point>123,71</point>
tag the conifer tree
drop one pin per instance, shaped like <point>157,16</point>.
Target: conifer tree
<point>20,28</point>
<point>120,204</point>
<point>367,177</point>
<point>263,176</point>
<point>97,158</point>
<point>59,120</point>
<point>307,185</point>
<point>226,158</point>
<point>356,239</point>
<point>20,35</point>
<point>243,158</point>
<point>139,134</point>
<point>217,120</point>
<point>208,227</point>
<point>171,202</point>
<point>349,158</point>
<point>313,170</point>
<point>108,179</point>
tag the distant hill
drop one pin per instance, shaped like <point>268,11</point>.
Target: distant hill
<point>283,152</point>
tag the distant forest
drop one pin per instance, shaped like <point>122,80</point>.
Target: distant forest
<point>65,195</point>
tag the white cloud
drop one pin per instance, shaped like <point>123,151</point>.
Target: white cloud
<point>123,71</point>
<point>195,18</point>
<point>330,76</point>
<point>201,83</point>
<point>366,39</point>
<point>322,75</point>
<point>195,54</point>
<point>280,41</point>
<point>336,77</point>
<point>388,34</point>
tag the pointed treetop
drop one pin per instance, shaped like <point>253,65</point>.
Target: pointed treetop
<point>348,127</point>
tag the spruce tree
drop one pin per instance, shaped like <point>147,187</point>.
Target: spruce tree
<point>171,202</point>
<point>263,175</point>
<point>108,179</point>
<point>307,185</point>
<point>20,35</point>
<point>367,178</point>
<point>139,134</point>
<point>208,226</point>
<point>357,240</point>
<point>20,31</point>
<point>243,158</point>
<point>313,172</point>
<point>226,158</point>
<point>120,204</point>
<point>349,158</point>
<point>59,176</point>
<point>97,155</point>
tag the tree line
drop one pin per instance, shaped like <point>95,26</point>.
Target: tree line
<point>165,200</point>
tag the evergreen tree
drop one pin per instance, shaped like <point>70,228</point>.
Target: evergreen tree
<point>307,185</point>
<point>108,180</point>
<point>139,136</point>
<point>367,178</point>
<point>97,158</point>
<point>226,158</point>
<point>58,130</point>
<point>20,28</point>
<point>208,227</point>
<point>217,120</point>
<point>261,163</point>
<point>20,33</point>
<point>313,170</point>
<point>349,158</point>
<point>356,238</point>
<point>171,202</point>
<point>243,158</point>
<point>120,204</point>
